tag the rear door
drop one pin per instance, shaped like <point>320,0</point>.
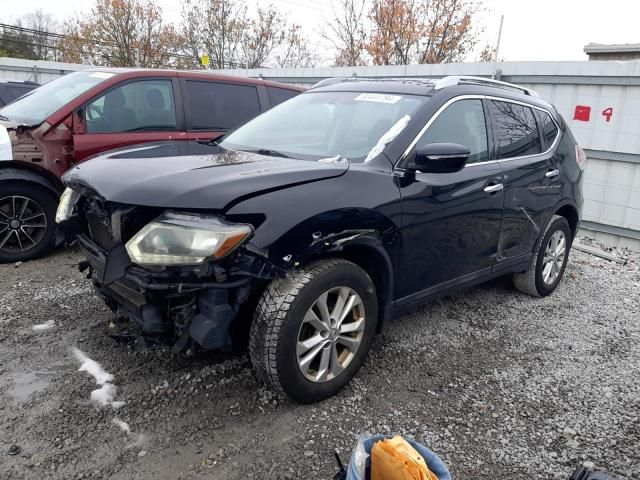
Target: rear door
<point>532,179</point>
<point>451,221</point>
<point>212,108</point>
<point>136,111</point>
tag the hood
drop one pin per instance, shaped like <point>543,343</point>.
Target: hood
<point>191,175</point>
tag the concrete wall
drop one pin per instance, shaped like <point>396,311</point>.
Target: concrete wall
<point>610,135</point>
<point>35,70</point>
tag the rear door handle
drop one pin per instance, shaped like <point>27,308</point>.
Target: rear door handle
<point>552,173</point>
<point>494,188</point>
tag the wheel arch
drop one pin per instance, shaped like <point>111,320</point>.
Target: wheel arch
<point>570,212</point>
<point>369,254</point>
<point>12,172</point>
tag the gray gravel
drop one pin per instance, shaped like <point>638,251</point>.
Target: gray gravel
<point>501,385</point>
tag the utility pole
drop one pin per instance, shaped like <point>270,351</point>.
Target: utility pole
<point>497,49</point>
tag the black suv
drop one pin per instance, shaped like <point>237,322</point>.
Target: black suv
<point>301,232</point>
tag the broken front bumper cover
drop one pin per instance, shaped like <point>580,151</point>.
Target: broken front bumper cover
<point>202,310</point>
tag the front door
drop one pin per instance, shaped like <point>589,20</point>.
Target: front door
<point>451,221</point>
<point>138,111</point>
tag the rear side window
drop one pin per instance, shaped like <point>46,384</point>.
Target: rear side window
<point>516,131</point>
<point>461,122</point>
<point>140,106</point>
<point>221,106</point>
<point>548,127</point>
<point>279,95</point>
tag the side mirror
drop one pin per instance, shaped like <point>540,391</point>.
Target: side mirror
<point>440,158</point>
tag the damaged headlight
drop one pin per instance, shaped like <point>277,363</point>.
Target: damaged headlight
<point>185,239</point>
<point>68,201</point>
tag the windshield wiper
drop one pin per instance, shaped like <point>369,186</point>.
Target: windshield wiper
<point>212,141</point>
<point>2,117</point>
<point>269,152</point>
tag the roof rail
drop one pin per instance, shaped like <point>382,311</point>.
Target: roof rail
<point>333,80</point>
<point>456,80</point>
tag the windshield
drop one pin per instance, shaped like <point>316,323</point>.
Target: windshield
<point>319,125</point>
<point>38,104</point>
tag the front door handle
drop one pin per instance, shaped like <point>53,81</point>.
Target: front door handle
<point>552,173</point>
<point>494,188</point>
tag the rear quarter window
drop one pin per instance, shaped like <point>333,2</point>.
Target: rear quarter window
<point>548,127</point>
<point>220,106</point>
<point>516,132</point>
<point>279,95</point>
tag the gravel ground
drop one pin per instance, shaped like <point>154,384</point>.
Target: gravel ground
<point>501,385</point>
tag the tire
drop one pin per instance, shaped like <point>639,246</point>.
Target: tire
<point>22,240</point>
<point>535,280</point>
<point>279,324</point>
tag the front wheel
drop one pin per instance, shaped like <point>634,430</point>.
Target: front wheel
<point>313,329</point>
<point>27,221</point>
<point>549,260</point>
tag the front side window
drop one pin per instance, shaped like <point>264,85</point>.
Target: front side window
<point>516,130</point>
<point>221,106</point>
<point>548,127</point>
<point>142,106</point>
<point>317,125</point>
<point>463,123</point>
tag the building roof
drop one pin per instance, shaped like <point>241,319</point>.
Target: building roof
<point>612,48</point>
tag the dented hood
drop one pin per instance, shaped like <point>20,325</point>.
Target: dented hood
<point>191,175</point>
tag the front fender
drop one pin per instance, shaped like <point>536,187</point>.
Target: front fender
<point>12,173</point>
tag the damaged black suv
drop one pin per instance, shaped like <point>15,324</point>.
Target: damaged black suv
<point>301,232</point>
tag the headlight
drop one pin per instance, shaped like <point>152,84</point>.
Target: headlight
<point>68,201</point>
<point>185,239</point>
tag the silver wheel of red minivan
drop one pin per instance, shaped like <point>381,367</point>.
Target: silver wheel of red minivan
<point>549,260</point>
<point>27,221</point>
<point>313,329</point>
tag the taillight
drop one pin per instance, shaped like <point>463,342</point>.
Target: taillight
<point>581,157</point>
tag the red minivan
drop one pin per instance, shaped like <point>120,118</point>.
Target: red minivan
<point>80,114</point>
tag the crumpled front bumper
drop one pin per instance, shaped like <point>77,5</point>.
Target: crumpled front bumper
<point>147,298</point>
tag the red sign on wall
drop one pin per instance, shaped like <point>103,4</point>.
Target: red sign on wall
<point>582,113</point>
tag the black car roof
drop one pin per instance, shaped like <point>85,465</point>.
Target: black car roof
<point>409,86</point>
<point>428,87</point>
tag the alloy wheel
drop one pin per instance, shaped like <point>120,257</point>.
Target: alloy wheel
<point>554,257</point>
<point>23,224</point>
<point>330,334</point>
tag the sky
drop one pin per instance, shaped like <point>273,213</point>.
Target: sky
<point>532,30</point>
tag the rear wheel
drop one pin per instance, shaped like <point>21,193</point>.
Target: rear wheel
<point>27,221</point>
<point>549,261</point>
<point>313,329</point>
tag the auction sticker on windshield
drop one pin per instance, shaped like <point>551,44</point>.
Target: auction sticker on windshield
<point>377,97</point>
<point>102,75</point>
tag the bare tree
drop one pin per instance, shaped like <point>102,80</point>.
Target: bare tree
<point>449,31</point>
<point>120,33</point>
<point>295,50</point>
<point>487,54</point>
<point>41,25</point>
<point>262,36</point>
<point>399,32</point>
<point>224,30</point>
<point>215,28</point>
<point>347,32</point>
